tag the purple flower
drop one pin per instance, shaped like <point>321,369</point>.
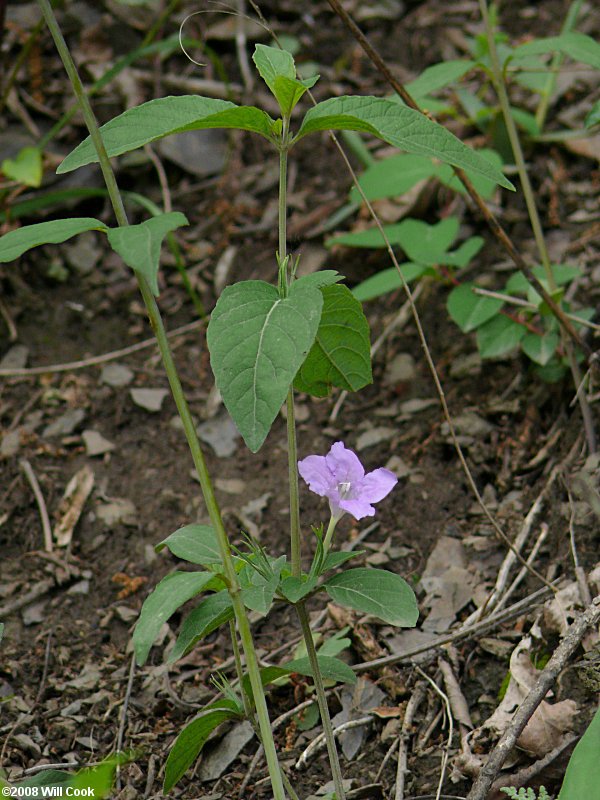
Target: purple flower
<point>341,478</point>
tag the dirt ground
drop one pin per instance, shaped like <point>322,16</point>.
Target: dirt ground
<point>68,694</point>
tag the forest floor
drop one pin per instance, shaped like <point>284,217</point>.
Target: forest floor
<point>69,695</point>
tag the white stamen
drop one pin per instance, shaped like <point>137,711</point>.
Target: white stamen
<point>344,488</point>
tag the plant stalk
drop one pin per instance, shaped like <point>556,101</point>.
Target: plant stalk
<point>183,409</point>
<point>334,761</point>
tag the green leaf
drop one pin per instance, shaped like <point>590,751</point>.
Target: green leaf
<point>194,543</point>
<point>593,116</point>
<point>402,127</point>
<point>427,244</point>
<point>26,168</point>
<point>210,614</point>
<point>276,67</point>
<point>295,589</point>
<point>172,592</point>
<point>324,277</point>
<point>577,46</point>
<point>470,310</point>
<point>15,243</point>
<point>257,342</point>
<point>582,778</point>
<point>339,557</point>
<point>484,186</point>
<point>332,669</point>
<point>388,281</point>
<point>375,591</point>
<point>139,245</point>
<point>158,118</point>
<point>341,353</point>
<point>393,176</point>
<point>190,742</point>
<point>336,643</point>
<point>540,348</point>
<point>499,336</point>
<point>437,76</point>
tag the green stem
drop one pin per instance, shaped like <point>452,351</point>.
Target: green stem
<point>334,761</point>
<point>329,534</point>
<point>184,412</point>
<point>550,85</point>
<point>515,144</point>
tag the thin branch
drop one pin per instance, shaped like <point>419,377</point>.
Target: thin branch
<point>41,503</point>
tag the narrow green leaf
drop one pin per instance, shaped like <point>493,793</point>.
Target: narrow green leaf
<point>15,243</point>
<point>139,245</point>
<point>593,116</point>
<point>375,591</point>
<point>26,167</point>
<point>332,669</point>
<point>498,336</point>
<point>577,46</point>
<point>540,348</point>
<point>257,342</point>
<point>211,613</point>
<point>341,354</point>
<point>337,558</point>
<point>388,281</point>
<point>324,277</point>
<point>267,675</point>
<point>189,743</point>
<point>171,593</point>
<point>582,778</point>
<point>400,126</point>
<point>272,62</point>
<point>194,543</point>
<point>158,118</point>
<point>470,310</point>
<point>438,76</point>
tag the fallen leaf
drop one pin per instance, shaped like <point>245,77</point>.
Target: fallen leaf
<point>96,444</point>
<point>221,434</point>
<point>149,399</point>
<point>116,375</point>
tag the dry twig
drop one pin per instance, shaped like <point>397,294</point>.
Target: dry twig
<point>41,503</point>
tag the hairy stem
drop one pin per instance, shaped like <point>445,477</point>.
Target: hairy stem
<point>334,761</point>
<point>184,412</point>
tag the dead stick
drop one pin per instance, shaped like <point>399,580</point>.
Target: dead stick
<point>490,219</point>
<point>572,639</point>
<point>39,499</point>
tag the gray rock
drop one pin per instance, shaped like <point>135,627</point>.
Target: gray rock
<point>65,424</point>
<point>116,375</point>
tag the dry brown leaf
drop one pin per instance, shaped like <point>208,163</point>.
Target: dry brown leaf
<point>77,492</point>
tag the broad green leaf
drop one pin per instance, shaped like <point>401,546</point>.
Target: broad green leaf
<point>498,336</point>
<point>393,176</point>
<point>582,778</point>
<point>370,238</point>
<point>402,127</point>
<point>388,281</point>
<point>26,167</point>
<point>272,62</point>
<point>324,277</point>
<point>97,781</point>
<point>15,243</point>
<point>484,186</point>
<point>437,76</point>
<point>470,310</point>
<point>139,245</point>
<point>463,254</point>
<point>257,590</point>
<point>540,348</point>
<point>375,591</point>
<point>194,543</point>
<point>190,742</point>
<point>427,244</point>
<point>332,669</point>
<point>295,589</point>
<point>171,593</point>
<point>210,614</point>
<point>341,353</point>
<point>158,118</point>
<point>257,342</point>
<point>577,46</point>
<point>336,643</point>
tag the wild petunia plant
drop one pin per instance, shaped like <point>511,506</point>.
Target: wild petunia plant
<point>265,340</point>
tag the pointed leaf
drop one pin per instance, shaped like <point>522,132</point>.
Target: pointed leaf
<point>158,118</point>
<point>437,76</point>
<point>499,336</point>
<point>189,743</point>
<point>388,281</point>
<point>257,342</point>
<point>375,591</point>
<point>540,348</point>
<point>172,592</point>
<point>332,669</point>
<point>341,354</point>
<point>582,778</point>
<point>15,243</point>
<point>258,591</point>
<point>295,589</point>
<point>272,62</point>
<point>400,126</point>
<point>577,46</point>
<point>194,543</point>
<point>324,277</point>
<point>139,245</point>
<point>337,558</point>
<point>470,310</point>
<point>211,613</point>
<point>393,176</point>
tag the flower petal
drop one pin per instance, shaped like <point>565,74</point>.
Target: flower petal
<point>377,484</point>
<point>359,508</point>
<point>317,475</point>
<point>344,464</point>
